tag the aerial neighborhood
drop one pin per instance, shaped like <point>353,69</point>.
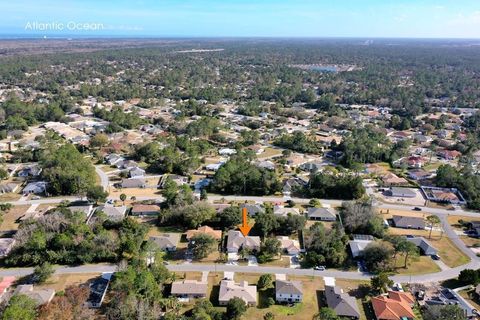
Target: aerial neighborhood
<point>261,181</point>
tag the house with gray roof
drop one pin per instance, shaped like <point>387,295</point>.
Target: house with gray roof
<point>236,241</point>
<point>343,304</point>
<point>424,245</point>
<point>166,241</point>
<point>408,222</point>
<point>401,192</point>
<point>229,290</point>
<point>321,214</point>
<point>113,213</point>
<point>288,291</point>
<point>359,243</point>
<point>252,209</point>
<point>133,183</point>
<point>40,296</point>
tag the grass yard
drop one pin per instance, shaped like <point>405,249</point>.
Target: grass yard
<point>60,282</point>
<point>283,262</point>
<point>414,232</point>
<point>269,152</point>
<point>10,219</point>
<point>471,242</point>
<point>469,295</point>
<point>449,253</point>
<point>7,197</point>
<point>418,265</point>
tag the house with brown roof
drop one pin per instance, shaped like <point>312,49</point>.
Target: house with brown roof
<point>391,179</point>
<point>189,289</point>
<point>145,210</point>
<point>395,306</point>
<point>289,246</point>
<point>166,241</point>
<point>229,290</point>
<point>217,234</point>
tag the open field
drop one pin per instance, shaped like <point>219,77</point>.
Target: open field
<point>10,219</point>
<point>449,253</point>
<point>60,282</point>
<point>6,197</point>
<point>417,265</point>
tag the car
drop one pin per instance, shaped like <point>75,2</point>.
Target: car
<point>36,198</point>
<point>320,268</point>
<point>110,201</point>
<point>417,209</point>
<point>409,236</point>
<point>435,257</point>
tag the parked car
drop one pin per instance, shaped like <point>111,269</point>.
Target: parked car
<point>35,198</point>
<point>417,209</point>
<point>320,268</point>
<point>435,257</point>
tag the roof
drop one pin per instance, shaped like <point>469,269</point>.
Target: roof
<point>113,212</point>
<point>282,211</point>
<point>289,244</point>
<point>393,307</point>
<point>343,304</point>
<point>236,240</point>
<point>217,234</point>
<point>133,183</point>
<point>403,191</point>
<point>192,287</point>
<point>321,213</point>
<point>82,209</point>
<point>166,240</point>
<point>357,246</point>
<point>139,208</point>
<point>423,244</point>
<point>410,222</point>
<point>229,290</point>
<point>288,287</point>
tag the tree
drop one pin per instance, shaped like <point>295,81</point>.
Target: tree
<point>123,197</point>
<point>377,256</point>
<point>3,174</point>
<point>202,245</point>
<point>236,307</point>
<point>265,281</point>
<point>99,140</point>
<point>265,223</point>
<point>68,306</point>
<point>229,217</point>
<point>203,194</point>
<point>326,314</point>
<point>97,194</point>
<point>408,249</point>
<point>315,203</point>
<point>440,312</point>
<point>380,282</point>
<point>433,220</point>
<point>269,249</point>
<point>269,316</point>
<point>42,272</point>
<point>469,276</point>
<point>20,307</point>
<point>66,170</point>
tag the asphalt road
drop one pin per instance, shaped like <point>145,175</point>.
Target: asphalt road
<point>103,177</point>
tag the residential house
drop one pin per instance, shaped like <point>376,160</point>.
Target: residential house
<point>166,241</point>
<point>285,211</point>
<point>289,246</point>
<point>289,185</point>
<point>6,245</point>
<point>449,154</point>
<point>359,243</point>
<point>269,165</point>
<point>312,166</point>
<point>216,234</point>
<point>321,214</point>
<point>401,192</point>
<point>113,159</point>
<point>408,222</point>
<point>30,171</point>
<point>252,209</point>
<point>40,296</point>
<point>425,246</point>
<point>288,291</point>
<point>419,174</point>
<point>136,172</point>
<point>133,183</point>
<point>395,306</point>
<point>37,187</point>
<point>113,213</point>
<point>98,289</point>
<point>145,210</point>
<point>236,241</point>
<point>343,304</point>
<point>391,179</point>
<point>7,187</point>
<point>189,289</point>
<point>227,152</point>
<point>229,290</point>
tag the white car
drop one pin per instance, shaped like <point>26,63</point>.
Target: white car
<point>320,268</point>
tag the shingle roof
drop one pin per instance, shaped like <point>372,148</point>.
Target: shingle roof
<point>217,234</point>
<point>191,287</point>
<point>343,304</point>
<point>288,287</point>
<point>229,289</point>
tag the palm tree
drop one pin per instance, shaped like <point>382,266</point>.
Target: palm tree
<point>433,220</point>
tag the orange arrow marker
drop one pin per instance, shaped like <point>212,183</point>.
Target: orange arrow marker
<point>245,228</point>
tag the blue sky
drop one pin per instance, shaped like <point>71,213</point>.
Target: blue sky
<point>267,18</point>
